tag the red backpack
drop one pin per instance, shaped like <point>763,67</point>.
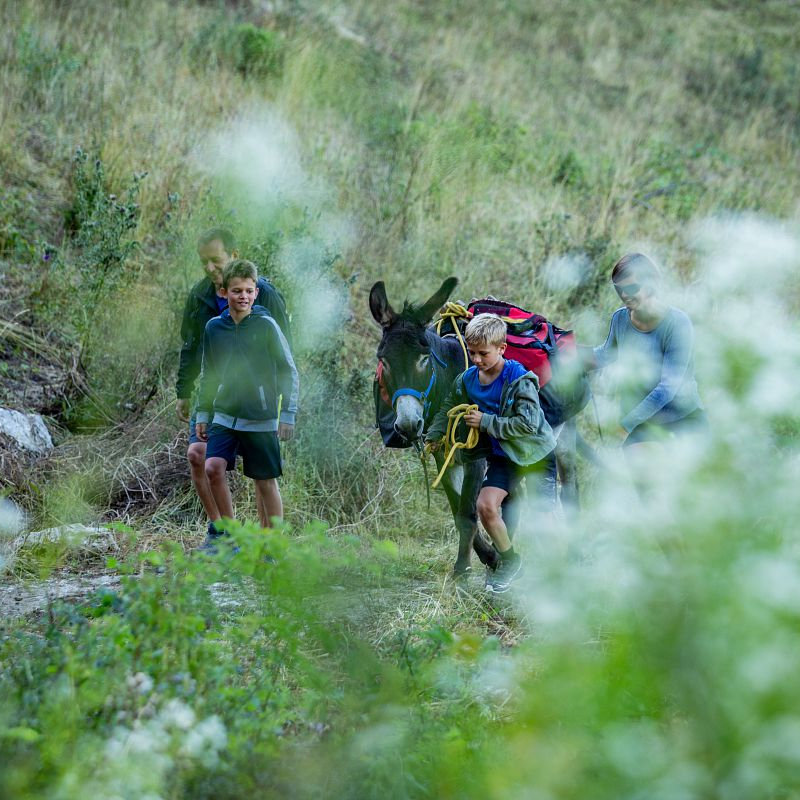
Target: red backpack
<point>545,349</point>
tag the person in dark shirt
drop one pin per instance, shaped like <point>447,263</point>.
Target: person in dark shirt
<point>247,400</point>
<point>206,300</point>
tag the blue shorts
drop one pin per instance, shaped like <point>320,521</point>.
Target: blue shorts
<point>260,450</point>
<point>194,440</point>
<point>504,474</point>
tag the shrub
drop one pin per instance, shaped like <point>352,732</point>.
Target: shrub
<point>245,48</point>
<point>17,230</point>
<point>99,224</point>
<point>258,52</point>
<point>569,170</point>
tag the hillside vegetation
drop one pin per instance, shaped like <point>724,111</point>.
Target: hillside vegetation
<point>522,147</point>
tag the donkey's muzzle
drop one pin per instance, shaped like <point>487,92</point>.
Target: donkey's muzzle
<point>409,429</point>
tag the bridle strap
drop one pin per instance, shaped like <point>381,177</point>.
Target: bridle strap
<point>421,396</point>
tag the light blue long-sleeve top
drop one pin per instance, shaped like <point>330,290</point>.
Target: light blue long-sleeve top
<point>658,384</point>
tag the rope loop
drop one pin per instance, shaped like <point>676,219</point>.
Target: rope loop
<point>453,312</point>
<point>451,444</point>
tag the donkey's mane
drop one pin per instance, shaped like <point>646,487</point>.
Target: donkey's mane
<point>412,312</point>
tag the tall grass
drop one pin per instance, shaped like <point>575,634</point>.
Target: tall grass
<point>525,148</point>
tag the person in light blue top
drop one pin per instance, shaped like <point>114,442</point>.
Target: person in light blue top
<point>654,342</point>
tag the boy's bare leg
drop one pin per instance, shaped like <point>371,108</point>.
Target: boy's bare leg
<point>218,482</point>
<point>197,467</point>
<point>268,500</point>
<point>489,502</point>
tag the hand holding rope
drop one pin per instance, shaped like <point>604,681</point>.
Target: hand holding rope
<point>451,444</point>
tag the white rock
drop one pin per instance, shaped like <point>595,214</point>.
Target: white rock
<point>83,537</point>
<point>27,430</point>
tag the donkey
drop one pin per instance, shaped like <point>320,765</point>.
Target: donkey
<point>419,367</point>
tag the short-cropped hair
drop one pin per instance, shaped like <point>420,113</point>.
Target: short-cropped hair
<point>636,265</point>
<point>223,234</point>
<point>239,268</point>
<point>486,329</point>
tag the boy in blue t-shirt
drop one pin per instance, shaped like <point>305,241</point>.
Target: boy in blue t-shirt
<point>517,439</point>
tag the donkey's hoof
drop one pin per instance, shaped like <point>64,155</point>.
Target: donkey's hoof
<point>491,563</point>
<point>461,573</point>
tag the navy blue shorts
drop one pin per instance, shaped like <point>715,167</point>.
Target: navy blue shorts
<point>695,423</point>
<point>260,450</point>
<point>504,474</point>
<point>194,440</point>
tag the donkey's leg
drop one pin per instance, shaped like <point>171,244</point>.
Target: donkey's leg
<point>452,483</point>
<point>473,478</point>
<point>567,460</point>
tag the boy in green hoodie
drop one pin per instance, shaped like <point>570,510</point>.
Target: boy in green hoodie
<point>247,368</point>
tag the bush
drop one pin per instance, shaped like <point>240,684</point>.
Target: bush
<point>99,225</point>
<point>17,228</point>
<point>258,52</point>
<point>245,48</point>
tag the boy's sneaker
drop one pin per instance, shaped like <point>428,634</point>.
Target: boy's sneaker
<point>209,546</point>
<point>509,570</point>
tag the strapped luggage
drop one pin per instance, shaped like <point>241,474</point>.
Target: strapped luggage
<point>545,349</point>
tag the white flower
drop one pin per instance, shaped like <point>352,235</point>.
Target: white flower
<point>207,738</point>
<point>178,715</point>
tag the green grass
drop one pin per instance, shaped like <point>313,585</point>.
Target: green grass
<point>649,651</point>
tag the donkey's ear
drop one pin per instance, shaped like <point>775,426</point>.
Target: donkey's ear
<point>379,306</point>
<point>437,300</point>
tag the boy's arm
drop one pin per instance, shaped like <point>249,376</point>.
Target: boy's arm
<point>525,416</point>
<point>438,427</point>
<point>288,380</point>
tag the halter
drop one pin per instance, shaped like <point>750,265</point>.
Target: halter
<point>423,397</point>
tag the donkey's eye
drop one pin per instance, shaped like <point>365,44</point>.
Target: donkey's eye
<point>422,362</point>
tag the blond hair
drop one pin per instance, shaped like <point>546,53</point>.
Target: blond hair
<point>486,329</point>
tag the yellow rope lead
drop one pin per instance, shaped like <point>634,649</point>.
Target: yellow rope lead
<point>454,416</point>
<point>454,311</point>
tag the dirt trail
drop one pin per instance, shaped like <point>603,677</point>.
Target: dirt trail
<point>18,598</point>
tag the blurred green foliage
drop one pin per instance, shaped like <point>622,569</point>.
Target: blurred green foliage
<point>17,230</point>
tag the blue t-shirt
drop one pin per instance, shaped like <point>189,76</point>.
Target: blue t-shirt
<point>487,397</point>
<point>222,303</point>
